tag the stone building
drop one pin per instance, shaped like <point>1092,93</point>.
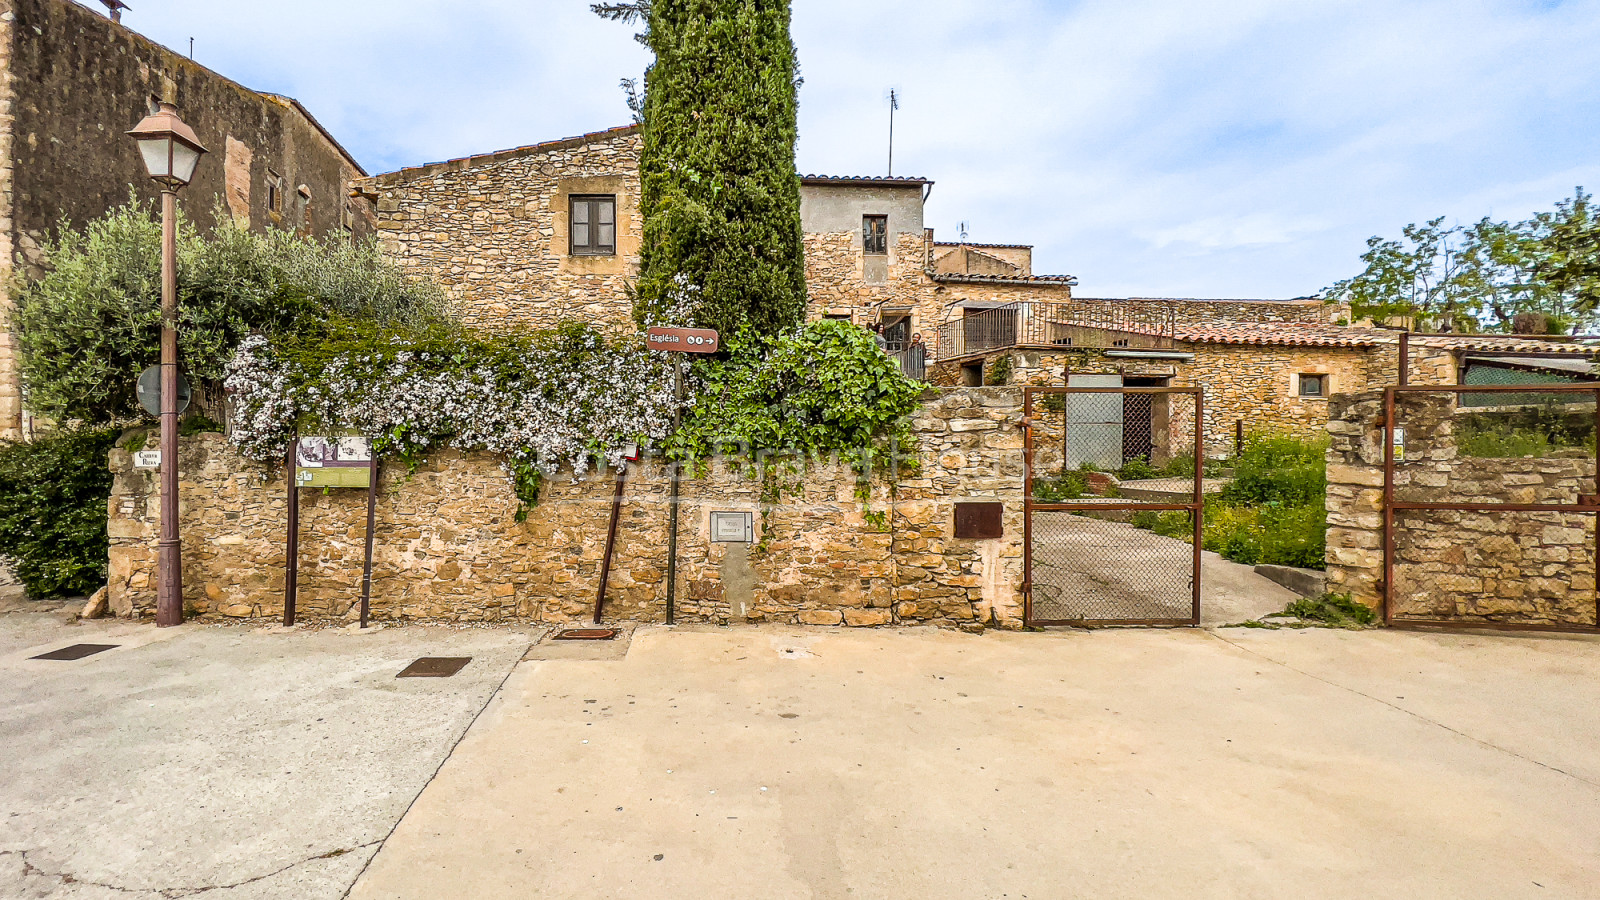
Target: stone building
<point>72,81</point>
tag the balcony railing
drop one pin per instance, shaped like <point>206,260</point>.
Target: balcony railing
<point>1095,325</point>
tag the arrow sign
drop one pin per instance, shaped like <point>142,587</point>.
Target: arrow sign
<point>682,340</point>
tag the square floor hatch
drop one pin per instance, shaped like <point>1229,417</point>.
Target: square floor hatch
<point>77,651</point>
<point>435,667</point>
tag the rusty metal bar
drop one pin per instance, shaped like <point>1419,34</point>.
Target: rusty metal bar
<point>611,542</point>
<point>1491,507</point>
<point>1199,495</point>
<point>372,518</point>
<point>1107,506</point>
<point>1110,623</point>
<point>1027,504</point>
<point>1387,586</point>
<point>1576,388</point>
<point>291,576</point>
<point>676,476</point>
<point>1495,626</point>
<point>1405,359</point>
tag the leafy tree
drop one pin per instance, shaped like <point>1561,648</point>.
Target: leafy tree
<point>87,326</point>
<point>720,197</point>
<point>1541,275</point>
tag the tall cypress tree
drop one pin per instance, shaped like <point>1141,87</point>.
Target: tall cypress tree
<point>720,197</point>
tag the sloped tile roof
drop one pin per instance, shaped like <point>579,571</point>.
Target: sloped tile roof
<point>865,180</point>
<point>1294,334</point>
<point>1056,280</point>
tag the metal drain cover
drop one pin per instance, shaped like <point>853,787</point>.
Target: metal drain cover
<point>77,651</point>
<point>435,667</point>
<point>587,634</point>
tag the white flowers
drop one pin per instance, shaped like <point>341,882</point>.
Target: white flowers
<point>565,405</point>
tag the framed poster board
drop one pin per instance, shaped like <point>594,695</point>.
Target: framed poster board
<point>333,462</point>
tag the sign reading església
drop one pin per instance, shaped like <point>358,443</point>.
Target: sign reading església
<point>682,340</point>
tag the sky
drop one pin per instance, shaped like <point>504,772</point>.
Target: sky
<point>1152,148</point>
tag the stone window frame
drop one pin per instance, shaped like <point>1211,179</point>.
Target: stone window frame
<point>593,202</point>
<point>274,195</point>
<point>1297,385</point>
<point>558,207</point>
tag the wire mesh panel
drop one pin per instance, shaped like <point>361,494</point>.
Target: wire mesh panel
<point>1091,569</point>
<point>1113,500</point>
<point>1490,507</point>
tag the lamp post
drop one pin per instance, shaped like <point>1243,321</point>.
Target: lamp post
<point>170,150</point>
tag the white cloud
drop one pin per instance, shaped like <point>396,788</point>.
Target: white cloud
<point>1151,147</point>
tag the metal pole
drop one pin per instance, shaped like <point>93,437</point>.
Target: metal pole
<point>1027,501</point>
<point>1405,358</point>
<point>372,517</point>
<point>611,542</point>
<point>169,589</point>
<point>1388,502</point>
<point>1199,494</point>
<point>672,497</point>
<point>291,576</point>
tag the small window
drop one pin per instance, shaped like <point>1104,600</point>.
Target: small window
<point>274,192</point>
<point>592,226</point>
<point>1313,385</point>
<point>875,234</point>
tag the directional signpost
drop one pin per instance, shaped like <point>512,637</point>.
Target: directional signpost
<point>678,340</point>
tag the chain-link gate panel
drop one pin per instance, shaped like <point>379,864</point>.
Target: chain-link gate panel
<point>1490,502</point>
<point>1113,499</point>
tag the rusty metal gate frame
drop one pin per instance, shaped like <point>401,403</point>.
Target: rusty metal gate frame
<point>1031,506</point>
<point>1588,504</point>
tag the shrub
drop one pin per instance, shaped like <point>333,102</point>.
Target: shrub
<point>1337,610</point>
<point>1067,486</point>
<point>1135,469</point>
<point>88,325</point>
<point>53,496</point>
<point>1280,469</point>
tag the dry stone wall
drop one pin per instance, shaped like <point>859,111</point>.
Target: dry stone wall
<point>493,230</point>
<point>449,547</point>
<point>1520,568</point>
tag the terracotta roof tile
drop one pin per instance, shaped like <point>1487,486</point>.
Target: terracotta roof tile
<point>1066,280</point>
<point>1293,334</point>
<point>865,180</point>
<point>422,171</point>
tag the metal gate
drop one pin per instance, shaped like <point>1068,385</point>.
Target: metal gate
<point>1490,505</point>
<point>1095,555</point>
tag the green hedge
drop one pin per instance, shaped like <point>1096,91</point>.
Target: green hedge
<point>53,496</point>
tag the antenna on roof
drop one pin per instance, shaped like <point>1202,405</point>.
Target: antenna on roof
<point>114,8</point>
<point>963,229</point>
<point>894,104</point>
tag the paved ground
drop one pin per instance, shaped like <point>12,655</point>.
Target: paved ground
<point>805,763</point>
<point>219,761</point>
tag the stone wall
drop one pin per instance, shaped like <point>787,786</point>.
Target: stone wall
<point>72,83</point>
<point>1520,568</point>
<point>493,229</point>
<point>449,546</point>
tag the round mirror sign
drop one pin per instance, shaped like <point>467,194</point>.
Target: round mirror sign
<point>149,391</point>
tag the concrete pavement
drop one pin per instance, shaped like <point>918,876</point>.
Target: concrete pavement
<point>787,763</point>
<point>224,762</point>
<point>234,762</point>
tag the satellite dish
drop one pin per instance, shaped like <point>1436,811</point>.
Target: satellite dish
<point>149,391</point>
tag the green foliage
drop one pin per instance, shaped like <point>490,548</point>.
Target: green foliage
<point>1279,469</point>
<point>719,196</point>
<point>1136,469</point>
<point>1539,276</point>
<point>1334,610</point>
<point>1067,486</point>
<point>1533,430</point>
<point>826,389</point>
<point>1274,511</point>
<point>999,371</point>
<point>53,496</point>
<point>92,322</point>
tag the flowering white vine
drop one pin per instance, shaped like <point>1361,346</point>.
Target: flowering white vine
<point>565,402</point>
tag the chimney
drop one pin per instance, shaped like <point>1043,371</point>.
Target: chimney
<point>114,8</point>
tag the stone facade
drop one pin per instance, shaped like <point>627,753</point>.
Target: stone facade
<point>72,82</point>
<point>493,230</point>
<point>1500,567</point>
<point>449,547</point>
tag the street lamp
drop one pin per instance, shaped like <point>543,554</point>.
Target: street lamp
<point>170,150</point>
